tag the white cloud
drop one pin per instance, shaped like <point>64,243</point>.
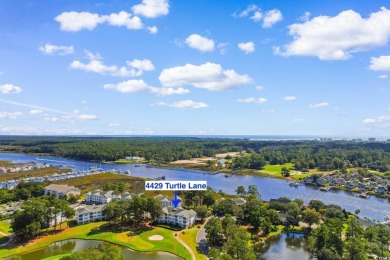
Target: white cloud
<point>10,115</point>
<point>383,76</point>
<point>143,65</point>
<point>36,112</point>
<point>336,38</point>
<point>252,100</point>
<point>381,121</point>
<point>289,98</point>
<point>369,121</point>
<point>74,21</point>
<point>130,86</point>
<point>184,104</point>
<point>56,49</point>
<point>260,87</point>
<point>113,125</point>
<point>318,105</point>
<point>87,117</point>
<point>134,68</point>
<point>222,46</point>
<point>305,17</point>
<point>249,10</point>
<point>257,16</point>
<point>272,110</point>
<point>200,43</point>
<point>247,47</point>
<point>271,17</point>
<point>84,102</point>
<point>133,86</point>
<point>209,76</point>
<point>77,21</point>
<point>10,89</point>
<point>380,63</point>
<point>152,8</point>
<point>125,19</point>
<point>51,119</point>
<point>152,29</point>
<point>167,91</point>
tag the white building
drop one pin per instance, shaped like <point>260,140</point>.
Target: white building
<point>89,213</point>
<point>103,197</point>
<point>61,190</point>
<point>99,197</point>
<point>178,217</point>
<point>166,201</point>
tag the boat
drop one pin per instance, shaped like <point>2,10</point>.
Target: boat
<point>226,175</point>
<point>137,165</point>
<point>364,195</point>
<point>293,184</point>
<point>324,189</point>
<point>160,178</point>
<point>387,218</point>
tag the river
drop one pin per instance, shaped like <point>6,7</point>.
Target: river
<point>373,208</point>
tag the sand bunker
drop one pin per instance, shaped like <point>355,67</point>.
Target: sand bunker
<point>156,237</point>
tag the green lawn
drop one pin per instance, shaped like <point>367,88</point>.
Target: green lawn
<point>190,239</point>
<point>56,257</point>
<point>125,161</point>
<point>5,227</point>
<point>276,169</point>
<point>138,242</point>
<point>300,176</point>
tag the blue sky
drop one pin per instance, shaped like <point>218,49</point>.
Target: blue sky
<point>195,67</point>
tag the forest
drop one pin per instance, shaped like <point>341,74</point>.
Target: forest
<point>330,155</point>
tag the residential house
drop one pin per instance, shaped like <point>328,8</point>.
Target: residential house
<point>99,197</point>
<point>61,190</point>
<point>321,181</point>
<point>350,184</point>
<point>89,213</point>
<point>178,217</point>
<point>166,201</point>
<point>309,180</point>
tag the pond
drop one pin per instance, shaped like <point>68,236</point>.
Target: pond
<point>74,245</point>
<point>286,246</point>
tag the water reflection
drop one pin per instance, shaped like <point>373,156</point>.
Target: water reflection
<point>285,247</point>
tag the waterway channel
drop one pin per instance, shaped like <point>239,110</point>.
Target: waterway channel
<point>373,208</point>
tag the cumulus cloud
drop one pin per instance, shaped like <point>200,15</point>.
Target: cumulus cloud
<point>130,86</point>
<point>268,18</point>
<point>10,89</point>
<point>247,47</point>
<point>167,91</point>
<point>252,100</point>
<point>152,8</point>
<point>383,76</point>
<point>152,29</point>
<point>289,98</point>
<point>36,112</point>
<point>209,76</point>
<point>381,121</point>
<point>134,86</point>
<point>305,17</point>
<point>51,119</point>
<point>380,63</point>
<point>75,21</point>
<point>125,19</point>
<point>222,46</point>
<point>10,115</point>
<point>272,17</point>
<point>318,105</point>
<point>184,104</point>
<point>200,43</point>
<point>260,87</point>
<point>134,68</point>
<point>336,38</point>
<point>50,49</point>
